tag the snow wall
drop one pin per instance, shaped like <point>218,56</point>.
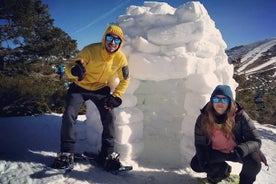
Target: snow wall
<point>176,58</point>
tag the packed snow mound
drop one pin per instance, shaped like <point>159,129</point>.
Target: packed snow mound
<point>176,58</point>
<point>172,45</point>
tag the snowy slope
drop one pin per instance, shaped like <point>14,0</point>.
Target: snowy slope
<point>255,57</point>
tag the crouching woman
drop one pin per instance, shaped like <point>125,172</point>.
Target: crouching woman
<point>224,132</point>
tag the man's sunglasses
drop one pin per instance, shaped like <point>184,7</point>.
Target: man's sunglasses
<point>110,38</point>
<point>223,100</point>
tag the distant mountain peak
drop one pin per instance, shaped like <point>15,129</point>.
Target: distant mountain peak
<point>253,58</point>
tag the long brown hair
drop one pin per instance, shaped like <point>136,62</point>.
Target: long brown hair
<point>208,120</point>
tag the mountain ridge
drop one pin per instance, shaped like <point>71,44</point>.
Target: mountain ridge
<point>245,57</point>
<point>255,72</point>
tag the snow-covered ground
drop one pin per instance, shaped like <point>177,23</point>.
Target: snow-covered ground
<point>30,143</point>
<point>176,58</point>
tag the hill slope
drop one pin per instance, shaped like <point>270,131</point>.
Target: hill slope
<point>255,71</point>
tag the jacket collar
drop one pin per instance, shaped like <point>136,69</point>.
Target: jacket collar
<point>106,55</point>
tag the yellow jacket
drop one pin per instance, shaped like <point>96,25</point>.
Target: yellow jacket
<point>101,66</point>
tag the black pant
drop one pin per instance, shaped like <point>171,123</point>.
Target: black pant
<point>74,99</point>
<point>251,165</point>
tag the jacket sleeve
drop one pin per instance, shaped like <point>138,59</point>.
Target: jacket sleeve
<point>123,74</point>
<point>202,143</point>
<point>250,138</point>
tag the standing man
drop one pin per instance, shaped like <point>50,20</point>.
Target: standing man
<point>91,71</point>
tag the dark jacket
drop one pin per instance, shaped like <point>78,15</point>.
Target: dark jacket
<point>245,132</point>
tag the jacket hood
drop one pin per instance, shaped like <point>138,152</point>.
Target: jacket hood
<point>114,29</point>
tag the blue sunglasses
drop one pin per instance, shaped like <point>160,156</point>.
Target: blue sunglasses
<point>223,100</point>
<point>110,38</point>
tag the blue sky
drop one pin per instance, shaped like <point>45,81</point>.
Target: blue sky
<point>239,21</point>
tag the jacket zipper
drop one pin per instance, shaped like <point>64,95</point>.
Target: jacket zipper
<point>103,71</point>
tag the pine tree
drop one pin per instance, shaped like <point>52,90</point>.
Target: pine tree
<point>27,31</point>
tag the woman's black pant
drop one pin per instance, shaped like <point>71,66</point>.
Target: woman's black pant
<point>251,165</point>
<point>76,96</point>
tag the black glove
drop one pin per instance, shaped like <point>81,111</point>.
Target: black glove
<point>237,153</point>
<point>78,70</point>
<point>111,102</point>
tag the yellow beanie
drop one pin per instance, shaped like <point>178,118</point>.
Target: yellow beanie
<point>114,29</point>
